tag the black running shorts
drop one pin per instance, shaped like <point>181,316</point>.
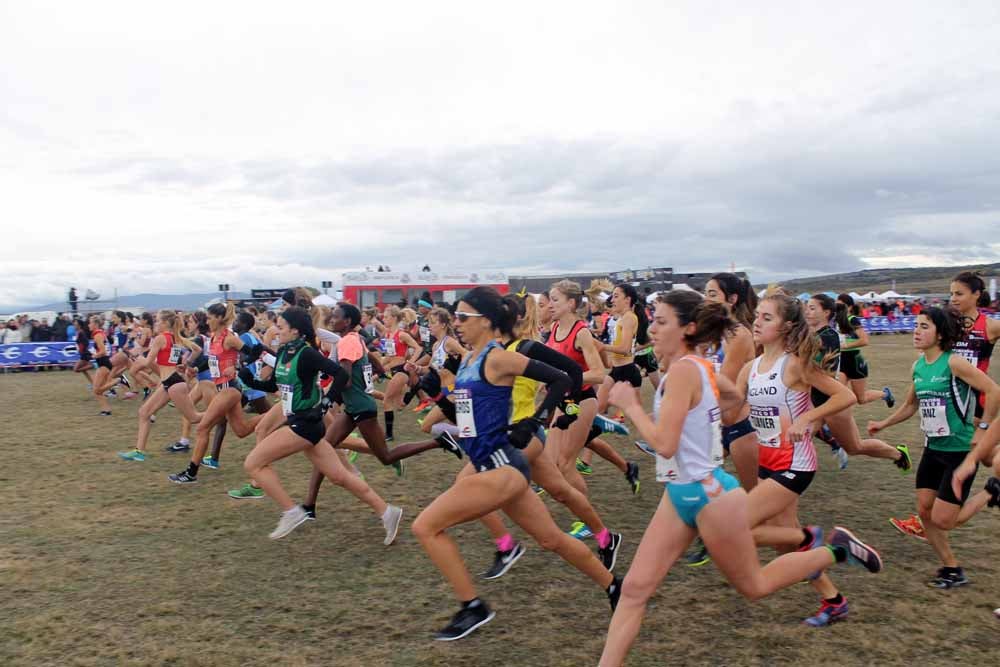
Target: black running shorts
<point>935,471</point>
<point>796,481</point>
<point>628,373</point>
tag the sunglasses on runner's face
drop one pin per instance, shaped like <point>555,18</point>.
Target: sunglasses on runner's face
<point>464,317</point>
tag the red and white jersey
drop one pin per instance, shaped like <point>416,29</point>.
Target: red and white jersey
<point>773,408</point>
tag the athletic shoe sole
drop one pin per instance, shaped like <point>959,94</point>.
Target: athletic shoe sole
<point>469,631</point>
<point>389,539</point>
<point>853,541</point>
<point>518,552</point>
<point>895,523</point>
<point>277,536</point>
<point>246,497</point>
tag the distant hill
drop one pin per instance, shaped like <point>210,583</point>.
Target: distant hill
<point>926,280</point>
<point>146,301</point>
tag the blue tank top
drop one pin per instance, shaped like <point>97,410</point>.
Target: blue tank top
<point>481,409</point>
<point>251,394</point>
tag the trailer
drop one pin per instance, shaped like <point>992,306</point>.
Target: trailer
<point>383,288</point>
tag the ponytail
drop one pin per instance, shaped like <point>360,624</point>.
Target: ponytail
<point>227,313</point>
<point>974,281</point>
<point>712,320</point>
<point>638,307</point>
<point>746,299</point>
<point>173,321</point>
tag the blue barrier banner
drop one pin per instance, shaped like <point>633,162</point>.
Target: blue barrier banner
<point>25,354</point>
<point>903,324</point>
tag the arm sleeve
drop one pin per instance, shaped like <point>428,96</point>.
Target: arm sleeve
<point>557,383</point>
<point>312,363</point>
<point>546,355</point>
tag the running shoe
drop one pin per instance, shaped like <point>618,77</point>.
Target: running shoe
<point>128,396</point>
<point>644,447</point>
<point>503,561</point>
<point>133,455</point>
<point>827,614</point>
<point>178,447</point>
<point>465,621</point>
<point>993,488</point>
<point>182,478</point>
<point>608,425</point>
<point>398,467</point>
<point>632,476</point>
<point>210,463</point>
<point>697,555</point>
<point>904,463</point>
<point>949,578</point>
<point>288,522</point>
<point>842,457</point>
<point>583,468</point>
<point>817,538</point>
<point>104,413</point>
<point>390,521</point>
<point>246,492</point>
<point>858,553</point>
<point>913,527</point>
<point>424,406</point>
<point>609,554</point>
<point>887,396</point>
<point>448,443</point>
<point>310,512</point>
<point>111,393</point>
<point>614,593</point>
<point>352,456</point>
<point>580,531</point>
<point>539,491</point>
<point>152,418</point>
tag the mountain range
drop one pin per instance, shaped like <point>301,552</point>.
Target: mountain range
<point>923,280</point>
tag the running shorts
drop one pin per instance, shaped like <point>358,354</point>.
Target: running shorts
<point>172,379</point>
<point>796,481</point>
<point>689,499</point>
<point>505,455</point>
<point>935,471</point>
<point>628,373</point>
<point>735,431</point>
<point>853,365</point>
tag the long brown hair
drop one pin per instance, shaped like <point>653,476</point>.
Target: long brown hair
<point>799,340</point>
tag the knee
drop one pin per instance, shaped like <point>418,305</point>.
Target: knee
<point>943,521</point>
<point>250,466</point>
<point>924,512</point>
<point>560,492</point>
<point>636,590</point>
<point>422,528</point>
<point>550,541</point>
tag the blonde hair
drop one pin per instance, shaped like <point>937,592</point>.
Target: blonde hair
<point>571,290</point>
<point>409,316</point>
<point>394,312</point>
<point>799,340</point>
<point>440,315</point>
<point>174,321</point>
<point>320,314</point>
<point>526,327</point>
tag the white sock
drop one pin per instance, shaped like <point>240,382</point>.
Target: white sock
<point>185,441</point>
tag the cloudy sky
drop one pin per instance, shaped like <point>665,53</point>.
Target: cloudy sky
<point>199,143</point>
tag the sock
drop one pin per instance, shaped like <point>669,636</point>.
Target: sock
<point>390,417</point>
<point>192,469</point>
<point>603,538</point>
<point>474,602</point>
<point>505,543</point>
<point>595,431</point>
<point>309,508</point>
<point>839,552</point>
<point>951,570</point>
<point>409,396</point>
<point>616,582</point>
<point>836,599</point>
<point>807,540</point>
<point>185,441</point>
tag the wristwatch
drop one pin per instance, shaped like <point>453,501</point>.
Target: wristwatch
<point>984,425</point>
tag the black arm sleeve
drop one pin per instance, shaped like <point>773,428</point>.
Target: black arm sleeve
<point>546,355</point>
<point>557,383</point>
<point>247,378</point>
<point>312,363</point>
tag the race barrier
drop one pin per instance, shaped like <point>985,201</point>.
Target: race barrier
<point>904,324</point>
<point>18,355</point>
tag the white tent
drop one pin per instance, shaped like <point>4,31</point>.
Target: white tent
<point>890,294</point>
<point>324,300</point>
<point>868,296</point>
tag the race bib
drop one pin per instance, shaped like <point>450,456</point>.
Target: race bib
<point>213,366</point>
<point>286,393</point>
<point>464,418</point>
<point>934,417</point>
<point>366,370</point>
<point>666,469</point>
<point>425,335</point>
<point>715,424</point>
<point>388,347</point>
<point>969,355</point>
<point>175,354</point>
<point>843,339</point>
<point>766,420</point>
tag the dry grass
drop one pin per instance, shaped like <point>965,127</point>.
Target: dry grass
<point>105,562</point>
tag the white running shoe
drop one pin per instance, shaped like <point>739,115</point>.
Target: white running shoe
<point>289,521</point>
<point>390,521</point>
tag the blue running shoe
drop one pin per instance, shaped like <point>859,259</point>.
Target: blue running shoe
<point>827,614</point>
<point>210,463</point>
<point>644,447</point>
<point>608,425</point>
<point>858,553</point>
<point>133,455</point>
<point>580,531</point>
<point>887,396</point>
<point>817,542</point>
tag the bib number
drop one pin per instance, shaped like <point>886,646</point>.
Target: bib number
<point>666,469</point>
<point>366,370</point>
<point>969,355</point>
<point>425,335</point>
<point>934,418</point>
<point>464,417</point>
<point>175,354</point>
<point>388,347</point>
<point>213,366</point>
<point>715,424</point>
<point>766,420</point>
<point>285,390</point>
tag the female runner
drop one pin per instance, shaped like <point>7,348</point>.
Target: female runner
<point>100,384</point>
<point>853,337</point>
<point>498,475</point>
<point>701,497</point>
<point>398,347</point>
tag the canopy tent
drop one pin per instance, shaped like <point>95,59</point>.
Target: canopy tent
<point>804,296</point>
<point>212,302</point>
<point>324,300</point>
<point>275,305</point>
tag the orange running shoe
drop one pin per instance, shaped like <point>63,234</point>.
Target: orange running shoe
<point>913,527</point>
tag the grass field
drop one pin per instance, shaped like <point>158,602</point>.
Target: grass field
<point>104,562</point>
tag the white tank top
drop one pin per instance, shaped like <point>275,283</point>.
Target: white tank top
<point>440,354</point>
<point>699,450</point>
<point>773,408</point>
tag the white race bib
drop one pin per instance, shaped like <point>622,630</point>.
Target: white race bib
<point>285,391</point>
<point>969,355</point>
<point>388,347</point>
<point>666,469</point>
<point>715,422</point>
<point>934,417</point>
<point>213,366</point>
<point>766,420</point>
<point>175,354</point>
<point>369,385</point>
<point>464,418</point>
<point>425,335</point>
